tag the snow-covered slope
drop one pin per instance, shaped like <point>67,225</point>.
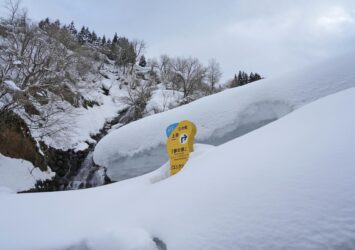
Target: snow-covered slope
<point>287,185</point>
<point>20,175</point>
<point>221,117</point>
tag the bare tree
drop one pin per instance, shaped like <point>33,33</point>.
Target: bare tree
<point>139,47</point>
<point>38,67</point>
<point>7,101</point>
<point>213,74</point>
<point>188,74</point>
<point>152,64</point>
<point>165,68</point>
<point>53,120</point>
<point>13,8</point>
<point>137,97</point>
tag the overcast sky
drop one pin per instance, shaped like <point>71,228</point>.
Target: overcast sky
<point>266,36</point>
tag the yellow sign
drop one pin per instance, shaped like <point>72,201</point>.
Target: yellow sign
<point>180,143</point>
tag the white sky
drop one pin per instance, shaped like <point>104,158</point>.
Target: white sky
<point>266,36</point>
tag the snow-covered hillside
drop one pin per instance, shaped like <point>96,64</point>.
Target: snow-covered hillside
<point>139,147</point>
<point>287,185</point>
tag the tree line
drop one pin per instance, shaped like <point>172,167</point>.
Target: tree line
<point>124,52</point>
<point>243,78</point>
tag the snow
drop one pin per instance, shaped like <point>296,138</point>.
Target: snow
<point>87,122</point>
<point>11,85</point>
<point>81,146</point>
<point>19,175</point>
<point>120,239</point>
<point>287,185</point>
<point>5,190</point>
<point>163,99</point>
<point>223,116</point>
<point>91,120</point>
<point>17,62</point>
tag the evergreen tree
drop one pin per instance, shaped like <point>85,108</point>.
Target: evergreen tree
<point>243,78</point>
<point>81,36</point>
<point>115,39</point>
<point>72,28</point>
<point>103,41</point>
<point>251,77</point>
<point>246,78</point>
<point>240,78</point>
<point>87,35</point>
<point>142,61</point>
<point>257,77</point>
<point>44,23</point>
<point>57,24</point>
<point>93,36</point>
<point>235,81</point>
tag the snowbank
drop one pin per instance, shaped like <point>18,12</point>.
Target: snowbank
<point>287,185</point>
<point>19,175</point>
<point>223,116</point>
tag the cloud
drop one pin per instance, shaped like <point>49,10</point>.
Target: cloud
<point>335,19</point>
<point>270,37</point>
<point>281,36</point>
<point>267,36</point>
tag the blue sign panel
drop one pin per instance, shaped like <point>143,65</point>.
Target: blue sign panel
<point>170,129</point>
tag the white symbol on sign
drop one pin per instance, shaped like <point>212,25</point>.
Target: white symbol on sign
<point>183,138</point>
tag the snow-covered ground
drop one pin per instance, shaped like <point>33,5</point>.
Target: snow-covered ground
<point>85,122</point>
<point>19,175</point>
<point>139,147</point>
<point>82,122</point>
<point>287,185</point>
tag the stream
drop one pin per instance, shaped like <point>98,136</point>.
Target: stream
<point>90,174</point>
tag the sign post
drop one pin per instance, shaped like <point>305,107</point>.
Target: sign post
<point>180,143</point>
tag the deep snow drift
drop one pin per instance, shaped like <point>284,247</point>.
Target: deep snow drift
<point>20,175</point>
<point>287,185</point>
<point>139,147</point>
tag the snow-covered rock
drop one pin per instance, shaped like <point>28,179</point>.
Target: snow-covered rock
<point>19,175</point>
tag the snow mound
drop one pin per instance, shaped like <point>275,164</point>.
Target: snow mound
<point>221,117</point>
<point>19,175</point>
<point>287,185</point>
